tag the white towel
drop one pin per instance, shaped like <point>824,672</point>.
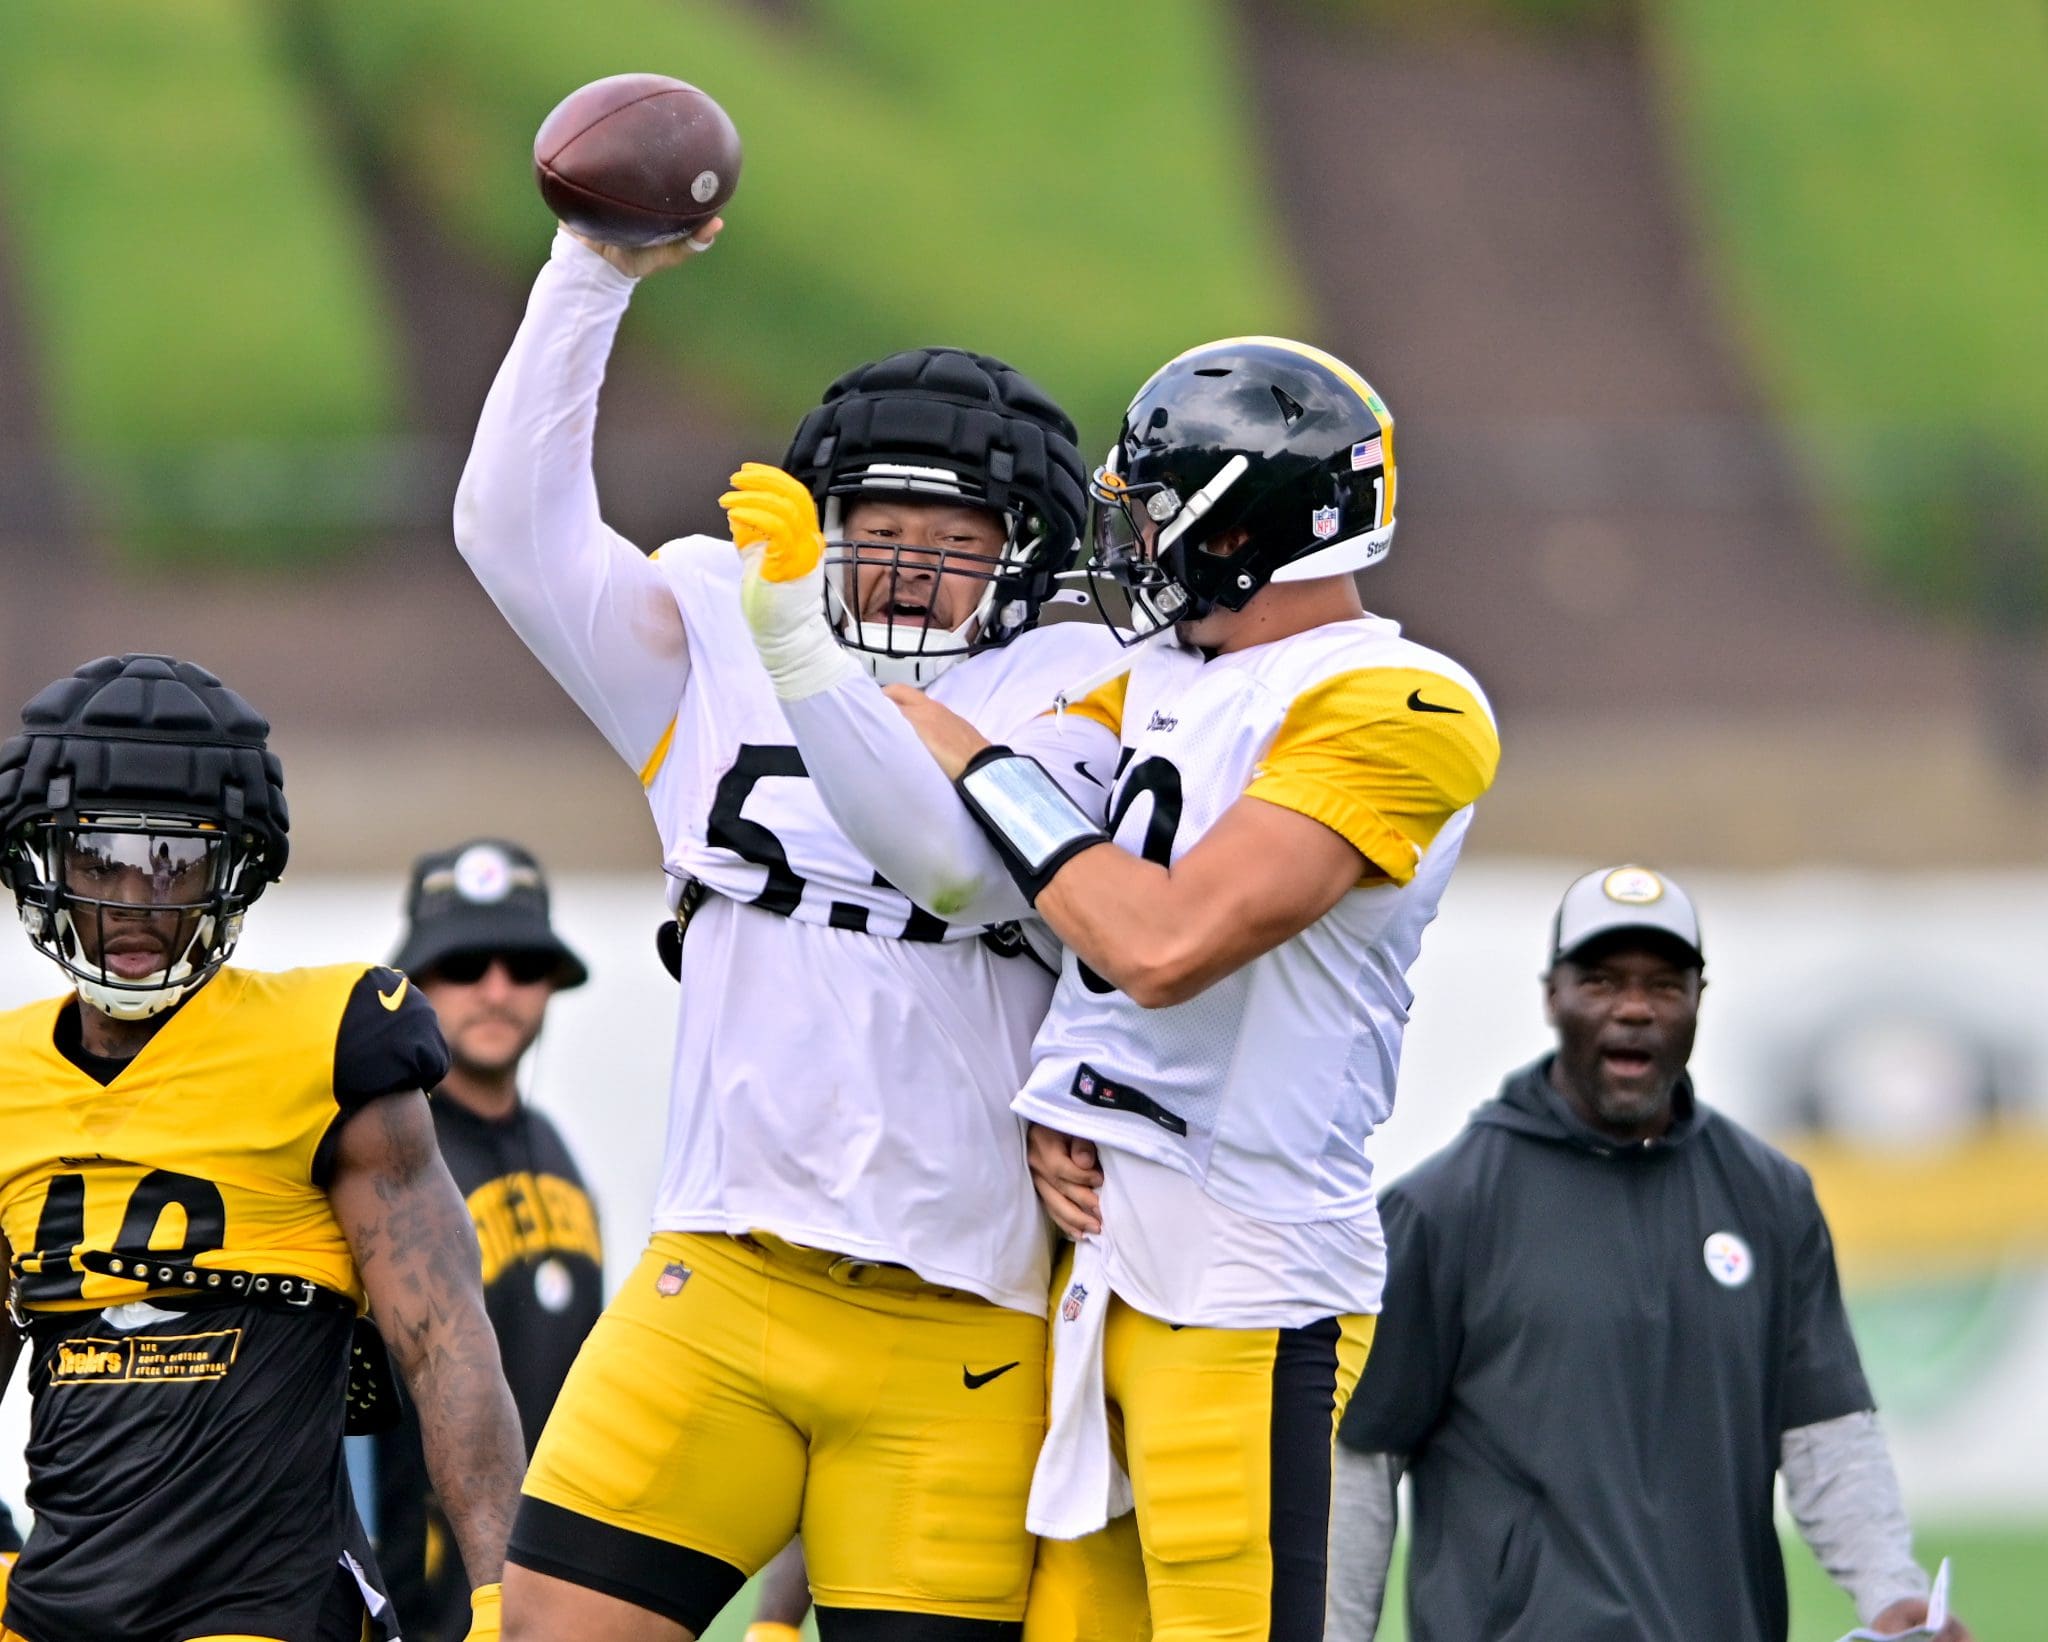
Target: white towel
<point>1078,1485</point>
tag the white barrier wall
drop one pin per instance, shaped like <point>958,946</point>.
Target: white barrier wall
<point>1908,1016</point>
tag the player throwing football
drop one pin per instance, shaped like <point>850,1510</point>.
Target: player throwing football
<point>206,1172</point>
<point>838,1325</point>
<point>1296,779</point>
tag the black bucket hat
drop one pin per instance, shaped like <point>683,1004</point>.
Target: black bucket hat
<point>483,896</point>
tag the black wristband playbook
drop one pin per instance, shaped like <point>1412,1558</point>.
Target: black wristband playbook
<point>1034,825</point>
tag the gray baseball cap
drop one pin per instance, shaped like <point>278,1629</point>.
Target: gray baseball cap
<point>1624,898</point>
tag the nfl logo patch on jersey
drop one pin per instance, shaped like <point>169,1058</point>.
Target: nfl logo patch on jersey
<point>1324,523</point>
<point>673,1276</point>
<point>1070,1307</point>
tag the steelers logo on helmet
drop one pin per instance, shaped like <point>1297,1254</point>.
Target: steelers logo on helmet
<point>141,812</point>
<point>948,427</point>
<point>1240,463</point>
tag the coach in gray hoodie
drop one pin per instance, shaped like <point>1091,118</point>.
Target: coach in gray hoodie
<point>1611,1318</point>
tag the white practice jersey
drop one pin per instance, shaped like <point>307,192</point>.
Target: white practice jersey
<point>1244,1111</point>
<point>844,1059</point>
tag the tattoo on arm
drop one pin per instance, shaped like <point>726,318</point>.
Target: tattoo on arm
<point>416,1249</point>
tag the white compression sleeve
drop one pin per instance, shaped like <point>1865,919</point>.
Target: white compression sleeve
<point>791,635</point>
<point>1844,1495</point>
<point>595,609</point>
<point>1364,1512</point>
<point>903,814</point>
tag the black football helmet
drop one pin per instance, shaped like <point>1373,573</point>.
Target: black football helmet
<point>1256,434</point>
<point>943,424</point>
<point>141,812</point>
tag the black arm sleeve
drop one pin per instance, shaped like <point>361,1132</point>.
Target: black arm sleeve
<point>1823,1372</point>
<point>1416,1342</point>
<point>388,1043</point>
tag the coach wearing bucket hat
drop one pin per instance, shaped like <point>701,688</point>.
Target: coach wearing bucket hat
<point>480,946</point>
<point>1611,1322</point>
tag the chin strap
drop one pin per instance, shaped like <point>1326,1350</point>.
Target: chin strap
<point>124,1005</point>
<point>886,666</point>
<point>140,1000</point>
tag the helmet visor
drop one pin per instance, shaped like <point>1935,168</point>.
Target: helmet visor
<point>129,903</point>
<point>118,867</point>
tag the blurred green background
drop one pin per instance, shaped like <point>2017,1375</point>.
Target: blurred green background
<point>1866,177</point>
<point>1715,329</point>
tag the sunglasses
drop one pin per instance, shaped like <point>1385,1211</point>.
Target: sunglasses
<point>525,968</point>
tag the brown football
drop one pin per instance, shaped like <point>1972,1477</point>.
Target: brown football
<point>636,159</point>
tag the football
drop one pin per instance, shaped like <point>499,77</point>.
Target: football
<point>636,159</point>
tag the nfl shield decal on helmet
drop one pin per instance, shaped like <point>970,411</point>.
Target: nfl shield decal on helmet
<point>1324,523</point>
<point>1070,1307</point>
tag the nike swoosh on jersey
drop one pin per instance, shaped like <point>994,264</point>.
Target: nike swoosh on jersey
<point>392,999</point>
<point>974,1382</point>
<point>1086,774</point>
<point>1417,705</point>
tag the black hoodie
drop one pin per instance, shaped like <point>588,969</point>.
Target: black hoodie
<point>1589,1351</point>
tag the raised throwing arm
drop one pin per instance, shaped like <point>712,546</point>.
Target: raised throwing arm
<point>594,608</point>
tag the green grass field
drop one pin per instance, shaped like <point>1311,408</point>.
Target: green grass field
<point>1997,1580</point>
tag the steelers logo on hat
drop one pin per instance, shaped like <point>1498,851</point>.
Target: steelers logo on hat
<point>483,874</point>
<point>1633,886</point>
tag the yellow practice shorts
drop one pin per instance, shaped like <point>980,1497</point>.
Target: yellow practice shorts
<point>738,1389</point>
<point>1226,1434</point>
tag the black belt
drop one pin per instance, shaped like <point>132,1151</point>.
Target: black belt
<point>372,1393</point>
<point>197,1286</point>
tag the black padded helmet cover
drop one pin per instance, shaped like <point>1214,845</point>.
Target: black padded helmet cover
<point>1004,440</point>
<point>147,735</point>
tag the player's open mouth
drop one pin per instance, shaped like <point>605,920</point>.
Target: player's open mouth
<point>133,959</point>
<point>903,612</point>
<point>1629,1063</point>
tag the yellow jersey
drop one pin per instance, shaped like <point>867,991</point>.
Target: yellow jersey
<point>213,1145</point>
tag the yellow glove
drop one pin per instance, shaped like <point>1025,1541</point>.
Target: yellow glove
<point>483,1613</point>
<point>769,1630</point>
<point>782,583</point>
<point>771,510</point>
